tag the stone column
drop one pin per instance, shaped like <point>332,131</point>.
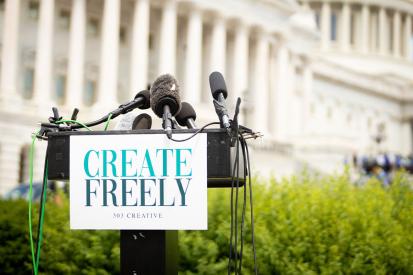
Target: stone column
<point>167,42</point>
<point>396,33</point>
<point>307,94</point>
<point>383,37</point>
<point>139,47</point>
<point>345,27</point>
<point>240,64</point>
<point>365,14</point>
<point>218,45</point>
<point>260,87</point>
<point>44,53</point>
<point>408,37</point>
<point>280,94</point>
<point>9,164</point>
<point>325,25</point>
<point>193,61</point>
<point>76,60</point>
<point>10,50</point>
<point>108,76</point>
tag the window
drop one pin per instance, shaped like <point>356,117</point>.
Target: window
<point>354,30</point>
<point>317,19</point>
<point>1,5</point>
<point>64,19</point>
<point>89,95</point>
<point>151,41</point>
<point>411,47</point>
<point>33,10</point>
<point>329,113</point>
<point>28,83</point>
<point>122,35</point>
<point>333,35</point>
<point>24,164</point>
<point>349,118</point>
<point>369,123</point>
<point>93,27</point>
<point>312,108</point>
<point>60,89</point>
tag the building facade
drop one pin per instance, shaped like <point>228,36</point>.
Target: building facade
<point>320,79</point>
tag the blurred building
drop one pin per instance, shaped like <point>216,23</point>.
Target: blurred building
<point>320,79</point>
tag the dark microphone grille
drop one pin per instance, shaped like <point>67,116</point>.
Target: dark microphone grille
<point>142,121</point>
<point>147,96</point>
<point>217,84</point>
<point>165,91</point>
<point>187,112</point>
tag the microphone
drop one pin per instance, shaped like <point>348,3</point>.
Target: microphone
<point>187,116</point>
<point>132,122</point>
<point>142,121</point>
<point>219,93</point>
<point>141,101</point>
<point>165,100</point>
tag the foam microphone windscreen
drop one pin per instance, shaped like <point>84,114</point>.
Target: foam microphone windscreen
<point>165,91</point>
<point>217,84</point>
<point>147,99</point>
<point>187,112</point>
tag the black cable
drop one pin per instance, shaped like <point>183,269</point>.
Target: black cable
<point>234,221</point>
<point>197,132</point>
<point>231,220</point>
<point>44,189</point>
<point>252,211</point>
<point>244,202</point>
<point>236,201</point>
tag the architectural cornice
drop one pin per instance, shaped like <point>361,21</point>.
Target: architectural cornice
<point>365,83</point>
<point>401,5</point>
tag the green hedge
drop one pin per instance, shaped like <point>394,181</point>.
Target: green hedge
<point>304,225</point>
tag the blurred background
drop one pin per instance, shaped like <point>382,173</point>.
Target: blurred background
<point>326,82</point>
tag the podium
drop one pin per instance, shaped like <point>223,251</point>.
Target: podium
<point>152,251</point>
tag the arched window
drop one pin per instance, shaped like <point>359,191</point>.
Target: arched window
<point>333,35</point>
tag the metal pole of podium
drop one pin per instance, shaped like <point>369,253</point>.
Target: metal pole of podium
<point>147,252</point>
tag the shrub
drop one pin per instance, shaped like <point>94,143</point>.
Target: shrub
<point>303,225</point>
<point>312,225</point>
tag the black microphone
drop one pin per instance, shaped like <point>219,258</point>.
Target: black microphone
<point>165,100</point>
<point>219,93</point>
<point>142,121</point>
<point>141,101</point>
<point>187,116</point>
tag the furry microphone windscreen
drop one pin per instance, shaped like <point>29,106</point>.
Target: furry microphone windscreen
<point>165,91</point>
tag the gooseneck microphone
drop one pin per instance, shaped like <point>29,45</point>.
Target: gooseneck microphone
<point>219,93</point>
<point>187,116</point>
<point>165,100</point>
<point>141,101</point>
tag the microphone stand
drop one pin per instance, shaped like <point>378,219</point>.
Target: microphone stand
<point>167,120</point>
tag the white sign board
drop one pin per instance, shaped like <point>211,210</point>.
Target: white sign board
<point>138,182</point>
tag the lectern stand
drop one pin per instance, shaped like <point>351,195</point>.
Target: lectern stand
<point>147,252</point>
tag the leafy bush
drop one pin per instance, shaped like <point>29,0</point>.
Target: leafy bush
<point>303,225</point>
<point>313,225</point>
<point>63,251</point>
